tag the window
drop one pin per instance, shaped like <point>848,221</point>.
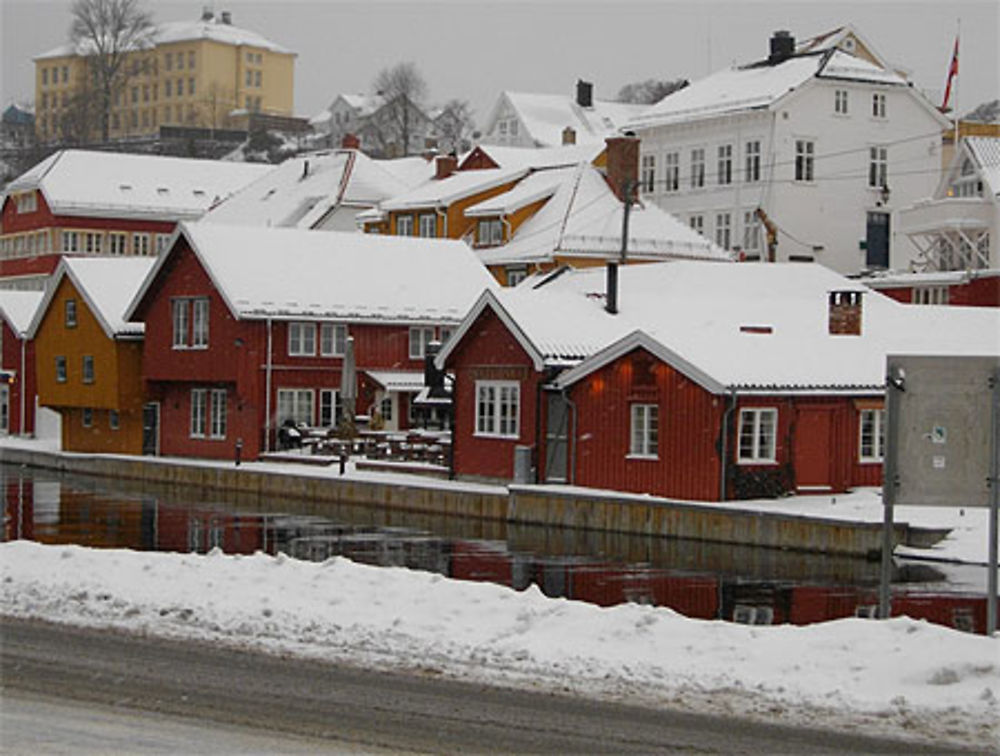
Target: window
<point>191,59</point>
<point>329,409</point>
<point>878,105</point>
<point>116,243</point>
<point>140,244</point>
<point>217,425</point>
<point>878,167</point>
<point>88,368</point>
<point>248,78</point>
<point>114,422</point>
<point>65,70</point>
<point>697,222</point>
<point>723,230</point>
<point>167,88</point>
<point>92,243</point>
<point>145,93</point>
<point>672,171</point>
<point>489,232</point>
<point>188,331</point>
<point>199,329</point>
<point>69,308</point>
<point>840,101</point>
<point>758,434</point>
<point>751,169</point>
<point>697,168</point>
<point>135,94</point>
<point>27,202</point>
<point>45,76</point>
<point>428,225</point>
<point>191,86</point>
<point>804,155</point>
<point>420,337</point>
<point>332,339</point>
<point>751,231</point>
<point>87,417</point>
<point>725,164</point>
<point>648,174</point>
<point>444,333</point>
<point>930,295</point>
<point>301,339</point>
<point>498,406</point>
<point>257,78</point>
<point>516,275</point>
<point>872,442</point>
<point>168,61</point>
<point>645,430</point>
<point>199,401</point>
<point>179,318</point>
<point>385,408</point>
<point>295,405</point>
<point>70,241</point>
<point>404,225</point>
<point>60,369</point>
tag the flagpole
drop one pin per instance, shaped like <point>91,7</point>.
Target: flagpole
<point>958,37</point>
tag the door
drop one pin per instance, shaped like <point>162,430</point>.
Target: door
<point>813,449</point>
<point>877,240</point>
<point>151,429</point>
<point>556,439</point>
<point>4,409</point>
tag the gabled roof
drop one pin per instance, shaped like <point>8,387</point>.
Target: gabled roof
<point>120,185</point>
<point>584,217</point>
<point>691,315</point>
<point>546,116</point>
<point>301,191</point>
<point>985,153</point>
<point>18,308</point>
<point>443,192</point>
<point>535,157</point>
<point>847,38</point>
<point>107,285</point>
<point>285,273</point>
<point>214,30</point>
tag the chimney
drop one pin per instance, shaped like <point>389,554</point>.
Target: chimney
<point>584,94</point>
<point>782,46</point>
<point>227,18</point>
<point>623,165</point>
<point>350,142</point>
<point>305,170</point>
<point>206,13</point>
<point>845,313</point>
<point>445,165</point>
<point>433,378</point>
<point>569,135</point>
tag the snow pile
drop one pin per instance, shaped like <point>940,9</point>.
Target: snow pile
<point>900,676</point>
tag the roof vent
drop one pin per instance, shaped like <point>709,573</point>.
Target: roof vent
<point>782,46</point>
<point>756,329</point>
<point>125,187</point>
<point>227,17</point>
<point>162,190</point>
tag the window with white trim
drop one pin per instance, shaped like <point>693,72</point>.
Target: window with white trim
<point>420,337</point>
<point>697,222</point>
<point>88,368</point>
<point>295,405</point>
<point>161,243</point>
<point>428,225</point>
<point>301,339</point>
<point>672,172</point>
<point>498,409</point>
<point>645,430</point>
<point>70,241</point>
<point>724,172</point>
<point>697,168</point>
<point>404,225</point>
<point>332,339</point>
<point>840,101</point>
<point>723,230</point>
<point>26,202</point>
<point>648,174</point>
<point>758,435</point>
<point>805,152</point>
<point>516,274</point>
<point>140,244</point>
<point>489,232</point>
<point>199,412</point>
<point>878,105</point>
<point>751,231</point>
<point>217,415</point>
<point>329,407</point>
<point>60,369</point>
<point>189,332</point>
<point>199,323</point>
<point>92,242</point>
<point>87,417</point>
<point>878,167</point>
<point>751,165</point>
<point>871,444</point>
<point>70,313</point>
<point>116,243</point>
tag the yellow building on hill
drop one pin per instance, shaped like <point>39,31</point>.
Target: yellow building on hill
<point>200,74</point>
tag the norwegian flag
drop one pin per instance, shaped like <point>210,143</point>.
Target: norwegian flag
<point>952,73</point>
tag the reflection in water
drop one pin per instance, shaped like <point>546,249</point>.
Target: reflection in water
<point>705,580</point>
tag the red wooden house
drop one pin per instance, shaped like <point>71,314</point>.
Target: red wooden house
<point>77,202</point>
<point>969,288</point>
<point>247,328</point>
<point>17,362</point>
<point>709,382</point>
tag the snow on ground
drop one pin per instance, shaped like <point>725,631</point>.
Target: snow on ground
<point>901,677</point>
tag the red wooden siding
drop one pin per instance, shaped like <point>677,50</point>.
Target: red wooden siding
<point>979,292</point>
<point>24,381</point>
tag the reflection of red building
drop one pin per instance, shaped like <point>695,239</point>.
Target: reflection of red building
<point>185,530</point>
<point>18,509</point>
<point>17,362</point>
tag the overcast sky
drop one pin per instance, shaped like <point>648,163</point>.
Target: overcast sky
<point>473,49</point>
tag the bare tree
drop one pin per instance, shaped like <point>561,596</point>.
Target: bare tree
<point>454,126</point>
<point>105,32</point>
<point>649,91</point>
<point>403,89</point>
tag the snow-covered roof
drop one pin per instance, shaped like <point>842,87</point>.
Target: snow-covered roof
<point>214,30</point>
<point>900,278</point>
<point>107,285</point>
<point>114,184</point>
<point>365,104</point>
<point>301,191</point>
<point>986,153</point>
<point>411,381</point>
<point>759,86</point>
<point>442,192</point>
<point>295,274</point>
<point>691,314</point>
<point>546,116</point>
<point>538,157</point>
<point>534,187</point>
<point>18,308</point>
<point>584,217</point>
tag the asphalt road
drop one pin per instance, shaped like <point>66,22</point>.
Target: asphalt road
<point>69,690</point>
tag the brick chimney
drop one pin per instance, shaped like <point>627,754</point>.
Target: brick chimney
<point>584,94</point>
<point>623,164</point>
<point>350,142</point>
<point>444,166</point>
<point>782,46</point>
<point>845,313</point>
<point>227,18</point>
<point>569,135</point>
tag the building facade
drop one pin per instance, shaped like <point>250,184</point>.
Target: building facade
<point>17,362</point>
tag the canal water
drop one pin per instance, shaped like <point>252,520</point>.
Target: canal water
<point>704,580</point>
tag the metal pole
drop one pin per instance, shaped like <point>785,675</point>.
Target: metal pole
<point>994,485</point>
<point>893,388</point>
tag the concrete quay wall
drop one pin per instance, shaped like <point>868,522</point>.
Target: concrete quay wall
<point>534,505</point>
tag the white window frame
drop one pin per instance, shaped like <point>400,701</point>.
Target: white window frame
<point>698,168</point>
<point>116,243</point>
<point>332,339</point>
<point>217,414</point>
<point>724,165</point>
<point>70,241</point>
<point>199,322</point>
<point>420,337</point>
<point>724,230</point>
<point>301,339</point>
<point>140,244</point>
<point>878,166</point>
<point>180,317</point>
<point>489,232</point>
<point>427,225</point>
<point>87,368</point>
<point>840,102</point>
<point>871,434</point>
<point>199,413</point>
<point>515,275</point>
<point>805,160</point>
<point>648,174</point>
<point>498,409</point>
<point>672,172</point>
<point>878,105</point>
<point>69,315</point>
<point>762,424</point>
<point>404,225</point>
<point>697,223</point>
<point>300,401</point>
<point>751,162</point>
<point>329,407</point>
<point>644,431</point>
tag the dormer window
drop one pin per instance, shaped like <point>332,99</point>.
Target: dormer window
<point>27,202</point>
<point>489,232</point>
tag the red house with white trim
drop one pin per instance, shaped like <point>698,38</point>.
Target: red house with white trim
<point>17,362</point>
<point>710,381</point>
<point>246,328</point>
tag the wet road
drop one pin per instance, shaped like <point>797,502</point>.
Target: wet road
<point>183,688</point>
